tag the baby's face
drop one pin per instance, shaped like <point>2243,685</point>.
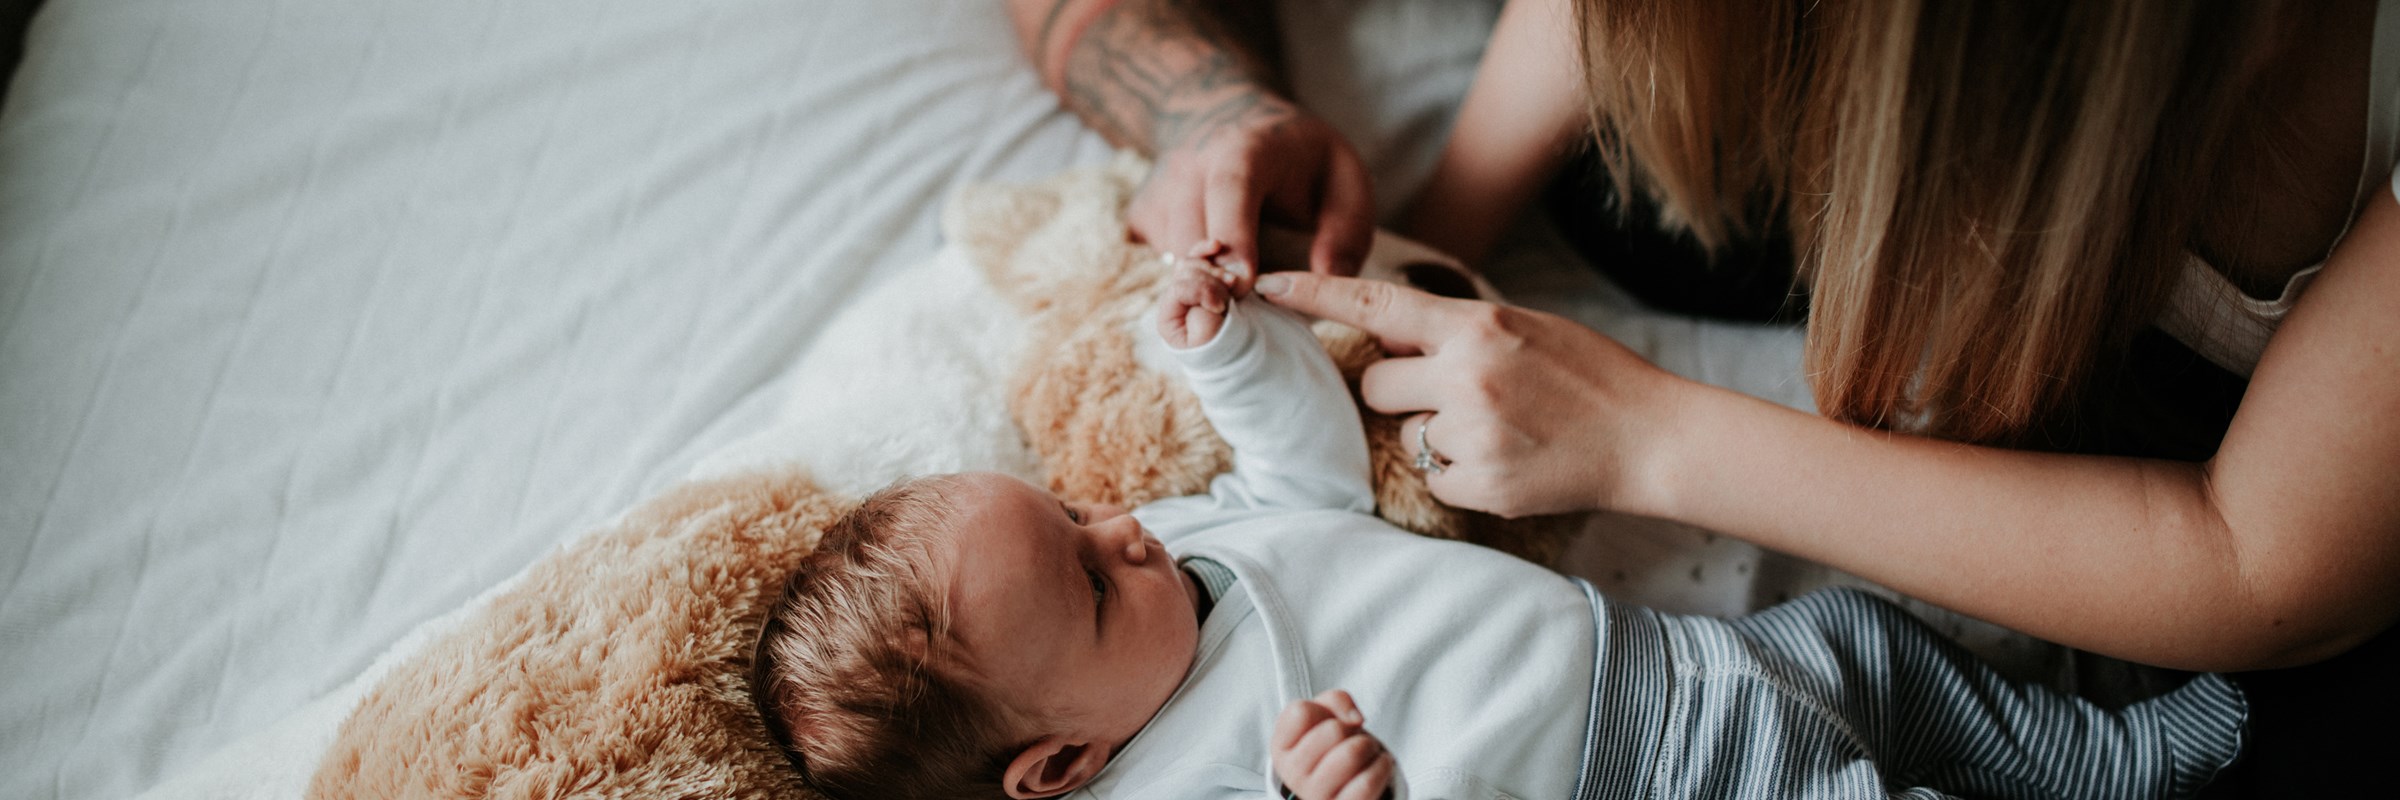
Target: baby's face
<point>1070,612</point>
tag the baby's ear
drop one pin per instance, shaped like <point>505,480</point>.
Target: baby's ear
<point>1052,766</point>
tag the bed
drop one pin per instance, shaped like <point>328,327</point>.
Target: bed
<point>317,319</point>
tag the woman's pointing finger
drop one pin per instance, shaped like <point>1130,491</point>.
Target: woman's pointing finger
<point>1404,319</point>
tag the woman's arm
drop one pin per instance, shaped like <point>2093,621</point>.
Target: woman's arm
<point>2282,550</point>
<point>1199,88</point>
<point>1519,121</point>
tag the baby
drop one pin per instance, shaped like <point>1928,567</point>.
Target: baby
<point>975,636</point>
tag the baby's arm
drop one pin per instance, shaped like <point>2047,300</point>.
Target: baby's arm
<point>1322,751</point>
<point>1272,393</point>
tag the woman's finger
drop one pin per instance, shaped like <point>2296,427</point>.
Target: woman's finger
<point>1403,385</point>
<point>1398,315</point>
<point>1419,427</point>
<point>1429,430</point>
<point>1452,483</point>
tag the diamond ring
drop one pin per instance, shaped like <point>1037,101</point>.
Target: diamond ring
<point>1428,462</point>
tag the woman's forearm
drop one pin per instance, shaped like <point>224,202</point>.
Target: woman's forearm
<point>2127,557</point>
<point>2280,550</point>
<point>1150,73</point>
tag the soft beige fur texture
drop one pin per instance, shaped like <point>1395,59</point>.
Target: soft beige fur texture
<point>616,668</point>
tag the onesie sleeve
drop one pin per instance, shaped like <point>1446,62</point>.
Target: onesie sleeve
<point>1271,391</point>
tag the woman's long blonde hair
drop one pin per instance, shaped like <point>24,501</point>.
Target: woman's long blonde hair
<point>1985,196</point>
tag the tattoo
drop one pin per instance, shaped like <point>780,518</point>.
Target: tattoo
<point>1157,74</point>
<point>1041,41</point>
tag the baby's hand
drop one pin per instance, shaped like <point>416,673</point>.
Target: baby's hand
<point>1193,307</point>
<point>1322,751</point>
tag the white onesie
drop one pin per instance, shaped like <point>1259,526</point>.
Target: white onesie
<point>1474,666</point>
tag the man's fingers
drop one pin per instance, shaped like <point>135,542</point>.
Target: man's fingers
<point>1167,217</point>
<point>1345,218</point>
<point>1185,225</point>
<point>1397,315</point>
<point>1232,201</point>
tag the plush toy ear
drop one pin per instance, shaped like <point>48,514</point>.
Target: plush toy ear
<point>1052,766</point>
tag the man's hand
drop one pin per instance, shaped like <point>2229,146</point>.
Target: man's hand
<point>1257,159</point>
<point>1196,86</point>
<point>1322,751</point>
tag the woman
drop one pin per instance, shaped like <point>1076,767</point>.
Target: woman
<point>1995,206</point>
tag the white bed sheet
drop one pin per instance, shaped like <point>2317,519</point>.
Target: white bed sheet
<point>320,317</point>
<point>317,318</point>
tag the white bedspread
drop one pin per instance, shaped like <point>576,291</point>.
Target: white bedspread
<point>319,318</point>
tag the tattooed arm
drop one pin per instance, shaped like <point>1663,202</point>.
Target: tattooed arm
<point>1198,87</point>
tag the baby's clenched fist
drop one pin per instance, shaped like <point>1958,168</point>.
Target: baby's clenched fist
<point>1193,307</point>
<point>1322,751</point>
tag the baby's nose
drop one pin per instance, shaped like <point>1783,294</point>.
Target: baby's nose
<point>1135,543</point>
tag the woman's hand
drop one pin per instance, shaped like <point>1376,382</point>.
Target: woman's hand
<point>1256,158</point>
<point>1534,413</point>
<point>1322,751</point>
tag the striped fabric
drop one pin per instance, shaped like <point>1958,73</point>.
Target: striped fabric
<point>1214,577</point>
<point>1841,695</point>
